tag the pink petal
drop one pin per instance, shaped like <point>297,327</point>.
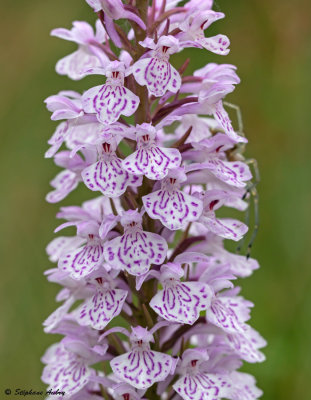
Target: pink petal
<point>56,316</point>
<point>182,302</point>
<point>136,252</point>
<point>100,309</point>
<point>241,266</point>
<point>244,387</point>
<point>135,18</point>
<point>109,177</point>
<point>61,244</point>
<point>111,30</point>
<point>69,377</point>
<point>203,387</point>
<point>64,183</point>
<point>58,138</point>
<point>110,102</point>
<point>174,209</point>
<point>246,345</point>
<point>159,76</point>
<point>142,368</point>
<point>225,315</point>
<point>63,33</point>
<point>235,173</point>
<point>217,44</point>
<point>154,162</point>
<point>74,65</point>
<point>223,119</point>
<point>81,262</point>
<point>225,227</point>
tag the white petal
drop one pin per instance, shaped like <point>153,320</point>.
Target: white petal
<point>154,162</point>
<point>110,102</point>
<point>100,309</point>
<point>182,303</point>
<point>74,65</point>
<point>203,387</point>
<point>82,261</point>
<point>136,252</point>
<point>174,209</point>
<point>109,177</point>
<point>142,369</point>
<point>159,76</point>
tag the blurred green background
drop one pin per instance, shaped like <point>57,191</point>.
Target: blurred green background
<point>271,45</point>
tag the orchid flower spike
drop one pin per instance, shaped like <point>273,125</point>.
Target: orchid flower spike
<point>148,288</point>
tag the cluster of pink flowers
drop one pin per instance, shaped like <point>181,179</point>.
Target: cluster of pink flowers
<point>149,309</point>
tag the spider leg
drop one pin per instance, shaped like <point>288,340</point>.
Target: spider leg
<point>255,196</point>
<point>237,152</point>
<point>247,217</point>
<point>253,162</point>
<point>238,114</point>
<point>251,191</point>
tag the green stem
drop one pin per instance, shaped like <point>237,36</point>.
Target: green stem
<point>113,207</point>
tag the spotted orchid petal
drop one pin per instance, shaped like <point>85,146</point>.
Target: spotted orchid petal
<point>113,99</point>
<point>82,261</point>
<point>109,177</point>
<point>57,138</point>
<point>203,386</point>
<point>181,302</point>
<point>193,32</point>
<point>247,344</point>
<point>64,183</point>
<point>244,387</point>
<point>110,102</point>
<point>74,65</point>
<point>64,105</point>
<point>95,4</point>
<point>158,75</point>
<point>70,376</point>
<point>156,72</point>
<point>57,315</point>
<point>216,44</point>
<point>240,265</point>
<point>88,54</point>
<point>200,21</point>
<point>173,208</point>
<point>234,173</point>
<point>225,312</point>
<point>61,244</point>
<point>151,160</point>
<point>100,309</point>
<point>225,227</point>
<point>67,368</point>
<point>223,119</point>
<point>141,368</point>
<point>108,223</point>
<point>135,252</point>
